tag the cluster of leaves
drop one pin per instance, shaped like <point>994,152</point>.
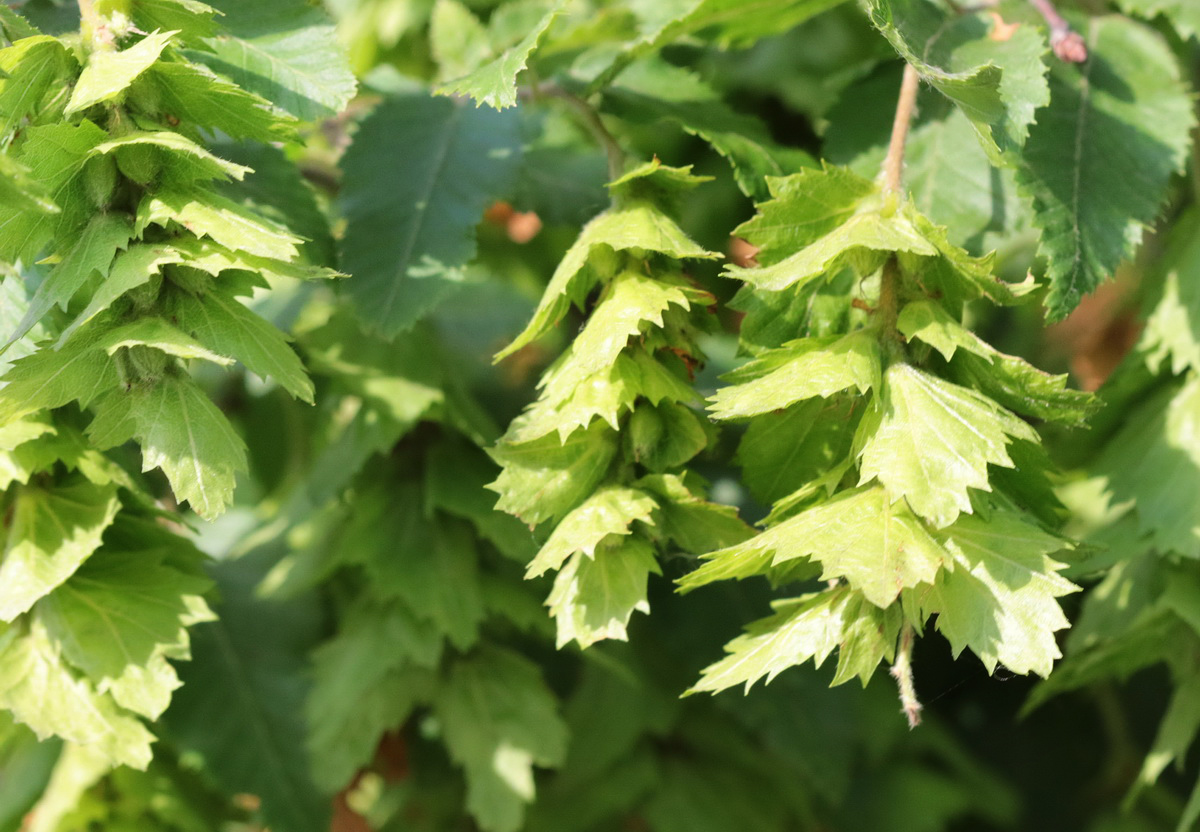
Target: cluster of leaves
<point>145,259</point>
<point>371,648</point>
<point>601,450</point>
<point>896,428</point>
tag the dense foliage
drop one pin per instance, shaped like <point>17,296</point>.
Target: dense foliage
<point>403,401</point>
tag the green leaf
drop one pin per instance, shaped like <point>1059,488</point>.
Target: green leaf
<point>214,259</point>
<point>280,190</point>
<point>545,478</point>
<point>860,535</point>
<point>593,377</point>
<point>240,709</point>
<point>694,524</point>
<point>782,451</point>
<point>98,244</point>
<point>1007,379</point>
<point>930,441</point>
<point>191,18</point>
<point>676,434</point>
<point>28,69</point>
<point>455,476</point>
<point>284,50</point>
<point>1176,731</point>
<point>411,219</point>
<point>1172,327</point>
<point>737,23</point>
<point>119,618</point>
<point>999,599</point>
<point>15,26</point>
<point>1182,14</point>
<point>132,268</point>
<point>155,332</point>
<point>500,720</point>
<point>998,83</point>
<point>609,511</point>
<point>54,154</point>
<point>632,224</point>
<point>53,532</point>
<point>808,627</point>
<point>227,327</point>
<point>816,220</point>
<point>800,370</point>
<point>595,595</point>
<point>458,39</point>
<point>1099,159</point>
<point>927,321</point>
<point>43,693</point>
<point>52,378</point>
<point>427,562</point>
<point>955,275</point>
<point>196,95</point>
<point>495,83</point>
<point>21,193</point>
<point>182,159</point>
<point>182,432</point>
<point>108,74</point>
<point>366,680</point>
<point>653,90</point>
<point>231,225</point>
<point>1154,461</point>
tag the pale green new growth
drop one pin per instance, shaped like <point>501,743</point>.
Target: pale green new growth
<point>52,533</point>
<point>495,83</point>
<point>609,511</point>
<point>41,691</point>
<point>809,627</point>
<point>878,546</point>
<point>999,600</point>
<point>595,596</point>
<point>798,371</point>
<point>930,441</point>
<point>108,74</point>
<point>182,432</point>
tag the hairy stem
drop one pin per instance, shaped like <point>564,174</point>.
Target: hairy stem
<point>893,177</point>
<point>902,672</point>
<point>1067,44</point>
<point>906,106</point>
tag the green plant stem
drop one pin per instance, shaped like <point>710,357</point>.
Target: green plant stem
<point>902,672</point>
<point>592,121</point>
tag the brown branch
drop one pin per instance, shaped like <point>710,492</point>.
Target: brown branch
<point>906,106</point>
<point>1067,44</point>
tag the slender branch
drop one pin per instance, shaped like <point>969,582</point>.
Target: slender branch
<point>902,673</point>
<point>591,120</point>
<point>1067,44</point>
<point>893,163</point>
